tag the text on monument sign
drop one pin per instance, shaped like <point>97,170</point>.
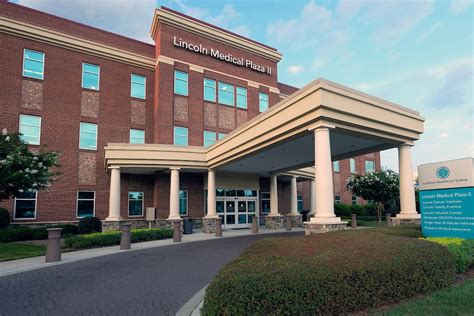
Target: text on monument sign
<point>215,53</point>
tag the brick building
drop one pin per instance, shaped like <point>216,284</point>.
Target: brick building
<point>117,108</point>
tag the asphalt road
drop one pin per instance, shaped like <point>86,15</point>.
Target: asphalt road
<point>156,281</point>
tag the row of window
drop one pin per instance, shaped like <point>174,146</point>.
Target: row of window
<point>25,204</point>
<point>337,199</point>
<point>369,166</point>
<point>223,93</point>
<point>266,202</point>
<point>33,67</point>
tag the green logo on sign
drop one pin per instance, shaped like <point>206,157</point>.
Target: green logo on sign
<point>442,172</point>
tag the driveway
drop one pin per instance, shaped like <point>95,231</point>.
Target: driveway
<point>156,281</point>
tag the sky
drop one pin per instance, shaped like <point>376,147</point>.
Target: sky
<point>416,53</point>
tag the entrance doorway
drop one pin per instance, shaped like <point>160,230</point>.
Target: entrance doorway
<point>237,207</point>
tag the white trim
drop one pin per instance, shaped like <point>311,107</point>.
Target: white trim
<point>96,135</point>
<point>143,204</point>
<point>131,86</point>
<point>23,64</point>
<point>187,203</point>
<point>82,76</point>
<point>39,133</point>
<point>26,199</point>
<point>77,202</point>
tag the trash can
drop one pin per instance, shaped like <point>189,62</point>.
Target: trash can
<point>188,226</point>
<point>304,215</point>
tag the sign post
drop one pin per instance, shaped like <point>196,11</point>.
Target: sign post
<point>447,198</point>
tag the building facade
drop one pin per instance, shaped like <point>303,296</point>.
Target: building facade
<point>80,90</point>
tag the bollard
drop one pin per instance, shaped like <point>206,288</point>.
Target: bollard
<point>53,250</point>
<point>388,219</point>
<point>177,231</point>
<point>255,225</point>
<point>218,227</point>
<point>354,220</point>
<point>125,240</point>
<point>288,224</point>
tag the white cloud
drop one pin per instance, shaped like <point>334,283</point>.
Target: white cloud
<point>295,69</point>
<point>124,17</point>
<point>459,6</point>
<point>434,27</point>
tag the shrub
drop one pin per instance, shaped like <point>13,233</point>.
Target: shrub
<point>4,218</point>
<point>358,209</point>
<point>461,249</point>
<point>333,273</point>
<point>111,238</point>
<point>69,230</point>
<point>342,210</point>
<point>22,233</point>
<point>411,231</point>
<point>89,225</point>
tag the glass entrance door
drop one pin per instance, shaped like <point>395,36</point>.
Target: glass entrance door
<point>236,207</point>
<point>230,212</point>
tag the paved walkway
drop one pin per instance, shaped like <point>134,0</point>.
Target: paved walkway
<point>156,279</point>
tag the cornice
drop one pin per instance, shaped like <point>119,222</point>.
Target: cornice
<point>44,35</point>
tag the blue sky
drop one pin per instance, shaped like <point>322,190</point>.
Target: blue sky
<point>417,53</point>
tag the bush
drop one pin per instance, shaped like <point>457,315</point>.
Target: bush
<point>411,231</point>
<point>342,210</point>
<point>69,230</point>
<point>22,233</point>
<point>4,218</point>
<point>333,273</point>
<point>461,249</point>
<point>89,225</point>
<point>111,238</point>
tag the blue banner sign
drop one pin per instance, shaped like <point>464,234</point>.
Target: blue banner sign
<point>448,212</point>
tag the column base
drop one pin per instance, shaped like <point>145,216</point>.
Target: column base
<point>109,225</point>
<point>114,219</point>
<point>409,216</point>
<point>274,221</point>
<point>311,228</point>
<point>296,220</point>
<point>209,224</point>
<point>406,219</point>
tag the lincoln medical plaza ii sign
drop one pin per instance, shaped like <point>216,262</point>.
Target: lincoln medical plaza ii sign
<point>215,53</point>
<point>447,198</point>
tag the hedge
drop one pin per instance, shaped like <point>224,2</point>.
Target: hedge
<point>4,218</point>
<point>111,238</point>
<point>412,231</point>
<point>461,249</point>
<point>23,233</point>
<point>344,210</point>
<point>333,273</point>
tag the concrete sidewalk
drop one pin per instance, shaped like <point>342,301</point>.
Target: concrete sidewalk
<point>28,264</point>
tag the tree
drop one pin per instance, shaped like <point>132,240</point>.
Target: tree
<point>22,170</point>
<point>381,186</point>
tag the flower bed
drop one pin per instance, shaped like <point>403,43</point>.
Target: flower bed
<point>334,273</point>
<point>461,249</point>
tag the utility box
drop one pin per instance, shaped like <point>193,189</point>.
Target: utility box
<point>150,213</point>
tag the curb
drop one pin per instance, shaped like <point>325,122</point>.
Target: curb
<point>193,306</point>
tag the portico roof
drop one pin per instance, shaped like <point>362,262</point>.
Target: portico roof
<point>281,139</point>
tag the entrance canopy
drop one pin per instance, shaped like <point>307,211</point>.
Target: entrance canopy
<point>282,138</point>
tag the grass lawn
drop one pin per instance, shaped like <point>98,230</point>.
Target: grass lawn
<point>455,300</point>
<point>18,251</point>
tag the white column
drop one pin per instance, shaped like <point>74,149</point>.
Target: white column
<point>114,195</point>
<point>174,194</point>
<point>323,179</point>
<point>211,194</point>
<point>407,189</point>
<point>313,197</point>
<point>273,196</point>
<point>294,197</point>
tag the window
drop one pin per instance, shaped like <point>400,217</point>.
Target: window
<point>88,136</point>
<point>300,203</point>
<point>209,138</point>
<point>183,202</point>
<point>265,202</point>
<point>337,199</point>
<point>241,97</point>
<point>336,166</point>
<point>25,205</point>
<point>180,82</point>
<point>33,64</point>
<point>221,135</point>
<point>90,76</point>
<point>138,87</point>
<point>85,204</point>
<point>352,163</point>
<point>262,102</point>
<point>135,203</point>
<point>180,136</point>
<point>226,94</point>
<point>209,90</point>
<point>369,166</point>
<point>137,136</point>
<point>30,128</point>
<point>354,200</point>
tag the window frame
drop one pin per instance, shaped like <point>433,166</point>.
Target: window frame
<point>143,203</point>
<point>221,135</point>
<point>98,76</point>
<point>176,78</point>
<point>260,94</point>
<point>39,127</point>
<point>27,199</point>
<point>187,202</point>
<point>299,198</point>
<point>338,164</point>
<point>354,200</point>
<point>131,86</point>
<point>265,199</point>
<point>174,136</point>
<point>237,94</point>
<point>204,138</point>
<point>218,93</point>
<point>373,165</point>
<point>77,203</point>
<point>206,86</point>
<point>23,65</point>
<point>96,135</point>
<point>130,136</point>
<point>350,165</point>
<point>337,199</point>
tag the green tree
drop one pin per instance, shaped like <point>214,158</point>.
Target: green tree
<point>381,187</point>
<point>22,170</point>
